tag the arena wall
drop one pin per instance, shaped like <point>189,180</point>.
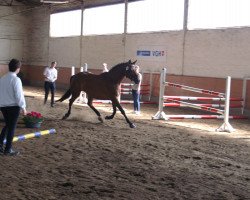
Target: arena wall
<point>200,57</point>
<point>13,34</point>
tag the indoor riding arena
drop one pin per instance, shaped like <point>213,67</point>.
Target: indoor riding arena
<point>84,64</point>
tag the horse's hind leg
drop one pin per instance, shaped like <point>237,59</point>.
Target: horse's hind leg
<point>90,104</point>
<point>116,102</point>
<point>71,101</point>
<point>113,114</point>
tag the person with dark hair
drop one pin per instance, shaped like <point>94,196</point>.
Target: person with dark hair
<point>136,87</point>
<point>12,101</point>
<point>50,75</point>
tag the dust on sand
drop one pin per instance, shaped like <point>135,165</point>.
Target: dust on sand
<point>182,159</point>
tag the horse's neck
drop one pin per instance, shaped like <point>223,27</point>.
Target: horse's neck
<point>117,76</point>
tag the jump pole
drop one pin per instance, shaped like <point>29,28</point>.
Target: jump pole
<point>197,90</point>
<point>185,98</point>
<point>179,104</point>
<point>32,135</point>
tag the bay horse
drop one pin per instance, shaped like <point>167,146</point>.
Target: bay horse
<point>104,86</point>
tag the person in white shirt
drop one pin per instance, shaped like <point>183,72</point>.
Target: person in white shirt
<point>105,67</point>
<point>50,75</point>
<point>136,87</point>
<point>12,101</point>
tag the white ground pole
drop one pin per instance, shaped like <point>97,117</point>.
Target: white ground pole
<point>244,93</point>
<point>160,114</point>
<point>226,127</point>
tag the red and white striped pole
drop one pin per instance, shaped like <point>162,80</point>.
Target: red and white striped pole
<point>193,89</point>
<point>179,104</point>
<point>185,98</point>
<point>204,117</point>
<point>200,107</point>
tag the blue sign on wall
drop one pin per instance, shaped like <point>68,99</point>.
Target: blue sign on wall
<point>143,53</point>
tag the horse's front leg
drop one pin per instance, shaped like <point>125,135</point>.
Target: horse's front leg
<point>71,101</point>
<point>118,105</point>
<point>90,104</point>
<point>113,114</point>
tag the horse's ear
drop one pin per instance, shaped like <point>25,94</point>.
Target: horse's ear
<point>134,62</point>
<point>129,62</point>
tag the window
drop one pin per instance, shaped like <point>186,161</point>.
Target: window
<point>65,24</point>
<point>204,14</point>
<point>104,20</point>
<point>155,15</point>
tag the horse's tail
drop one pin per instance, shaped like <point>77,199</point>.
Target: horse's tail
<point>65,96</point>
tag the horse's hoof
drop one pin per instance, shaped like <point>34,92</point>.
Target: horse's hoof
<point>132,125</point>
<point>108,117</point>
<point>64,117</point>
<point>100,119</point>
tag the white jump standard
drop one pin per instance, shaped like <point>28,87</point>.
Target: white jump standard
<point>178,101</point>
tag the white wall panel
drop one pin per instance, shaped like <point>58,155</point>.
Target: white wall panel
<point>10,48</point>
<point>100,49</point>
<point>66,51</point>
<point>218,53</point>
<point>4,49</point>
<point>16,49</point>
<point>13,33</point>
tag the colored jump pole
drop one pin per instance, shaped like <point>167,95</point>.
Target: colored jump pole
<point>32,135</point>
<point>193,89</point>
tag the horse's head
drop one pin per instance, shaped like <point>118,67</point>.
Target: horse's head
<point>130,70</point>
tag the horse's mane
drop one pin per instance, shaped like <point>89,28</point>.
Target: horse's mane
<point>114,68</point>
